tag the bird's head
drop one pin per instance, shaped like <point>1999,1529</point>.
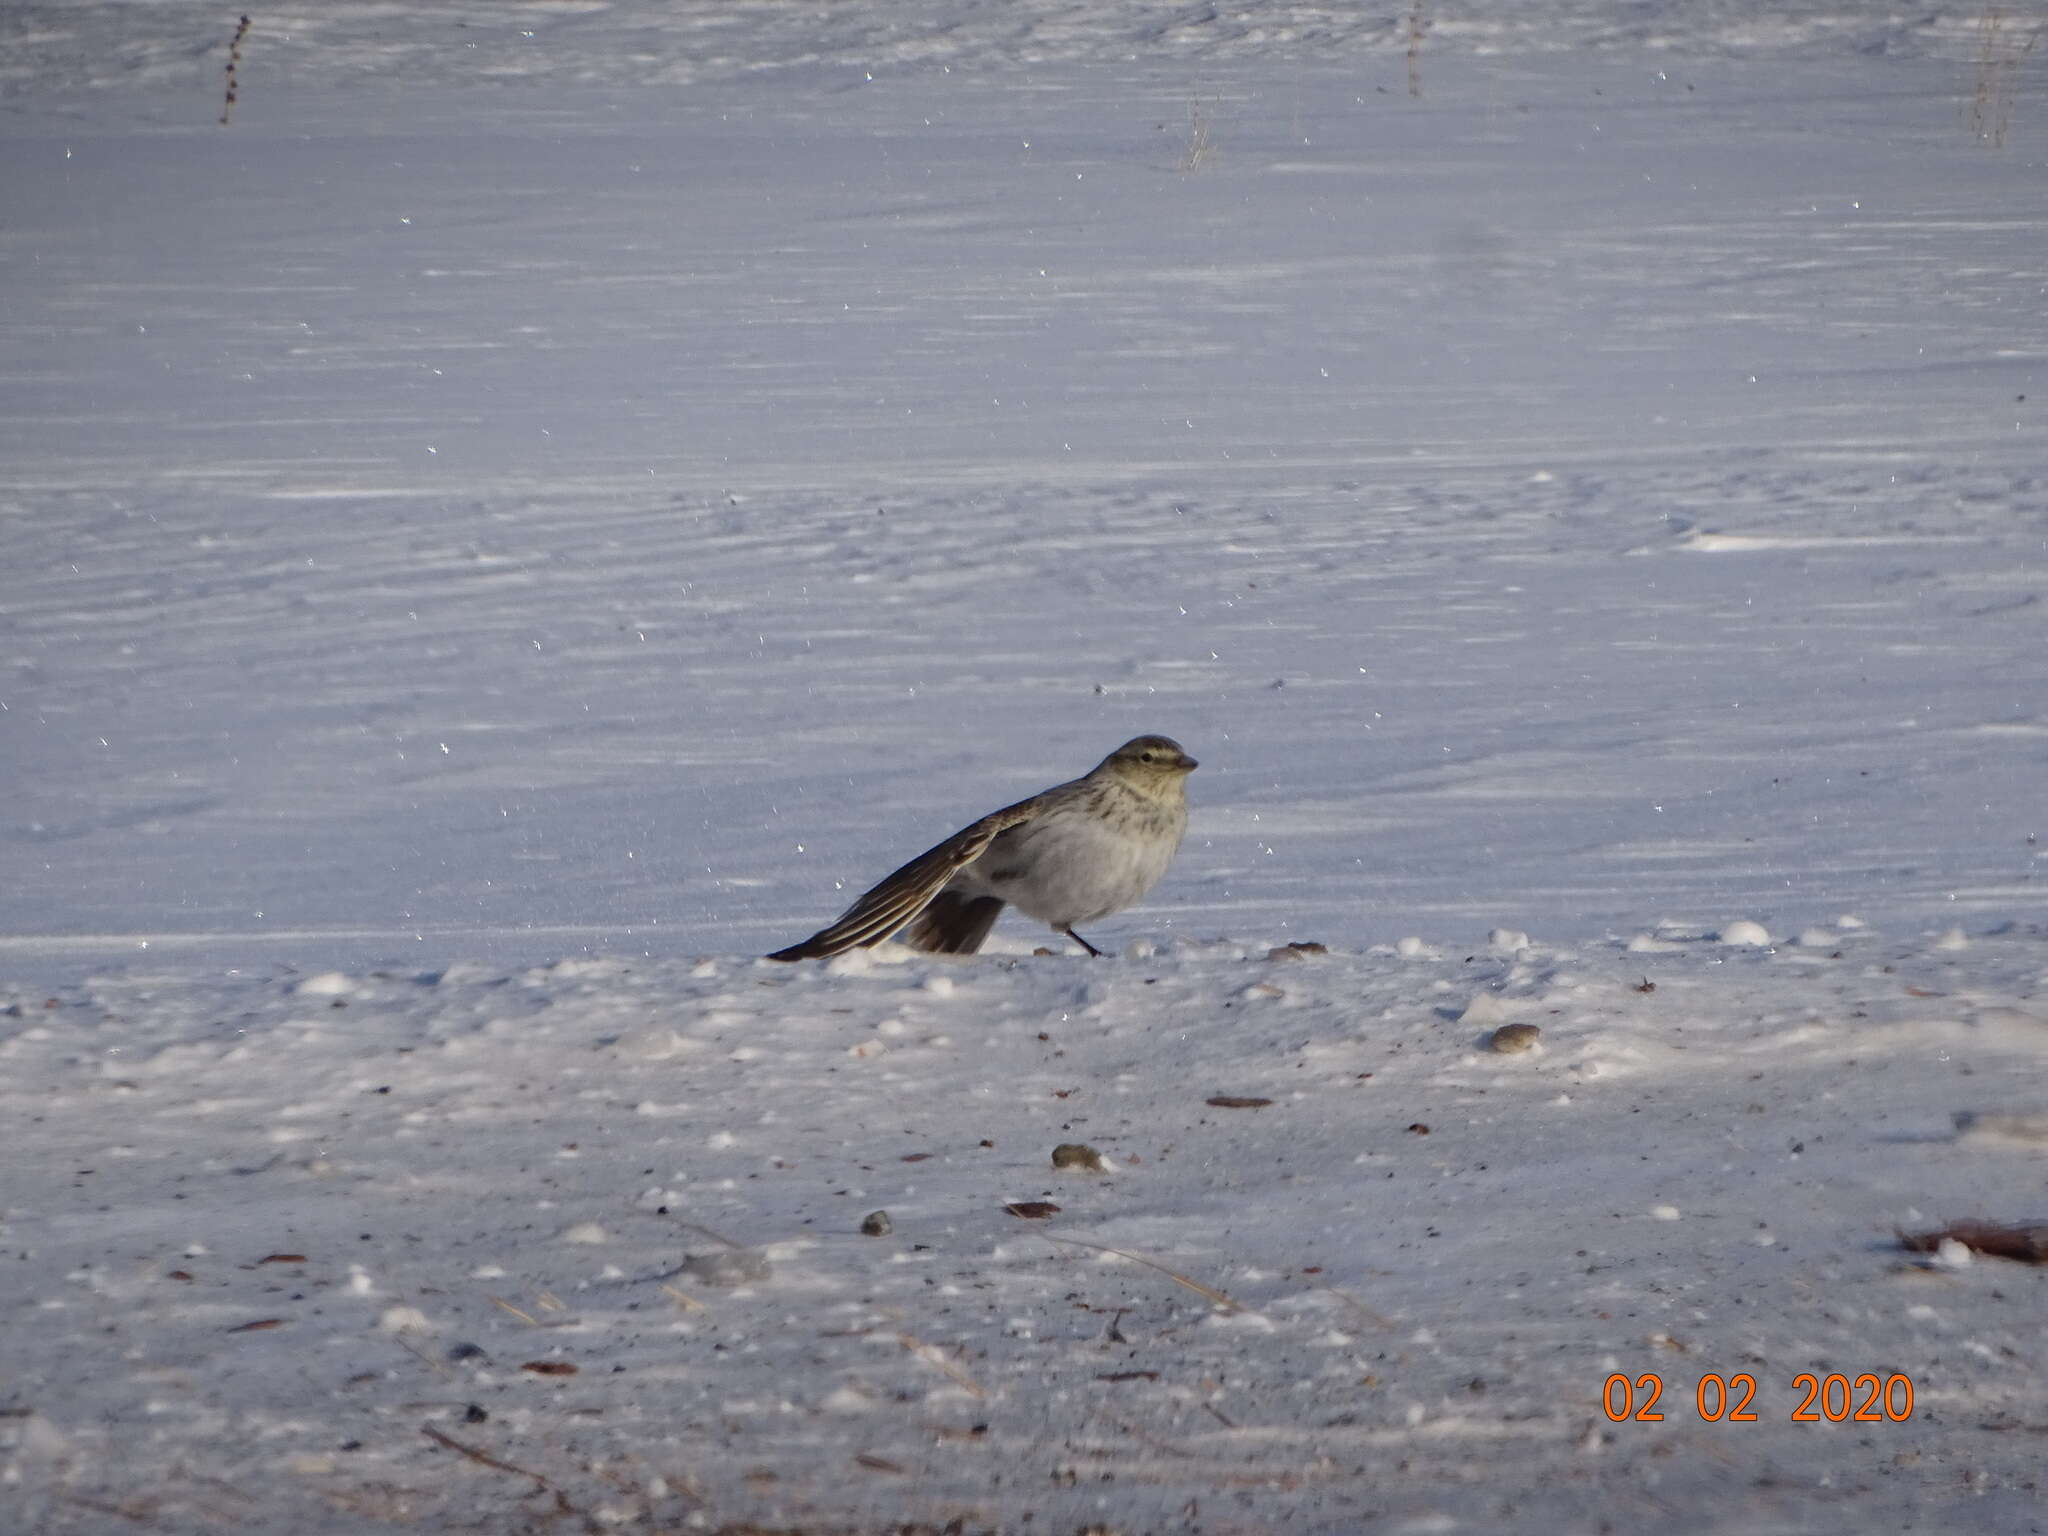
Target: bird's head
<point>1152,757</point>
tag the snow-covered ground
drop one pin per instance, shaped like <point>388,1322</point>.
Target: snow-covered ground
<point>551,499</point>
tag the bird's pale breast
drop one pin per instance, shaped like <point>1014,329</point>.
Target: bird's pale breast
<point>1078,863</point>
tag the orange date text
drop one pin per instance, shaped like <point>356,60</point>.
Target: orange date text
<point>1831,1399</point>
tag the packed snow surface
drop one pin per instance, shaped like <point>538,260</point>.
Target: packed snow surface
<point>550,500</point>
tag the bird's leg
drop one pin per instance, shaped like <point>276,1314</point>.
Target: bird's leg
<point>1069,932</point>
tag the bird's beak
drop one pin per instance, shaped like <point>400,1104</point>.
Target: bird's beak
<point>1188,764</point>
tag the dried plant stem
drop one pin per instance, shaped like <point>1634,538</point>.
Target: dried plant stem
<point>1418,25</point>
<point>234,66</point>
<point>1222,1302</point>
<point>482,1457</point>
<point>525,1317</point>
<point>1198,138</point>
<point>1361,1308</point>
<point>931,1356</point>
<point>2000,49</point>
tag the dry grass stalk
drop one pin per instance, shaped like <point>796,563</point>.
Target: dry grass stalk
<point>1153,1441</point>
<point>715,1235</point>
<point>1418,26</point>
<point>525,1317</point>
<point>2000,49</point>
<point>234,65</point>
<point>1222,1302</point>
<point>482,1457</point>
<point>931,1356</point>
<point>439,1368</point>
<point>1375,1318</point>
<point>1197,152</point>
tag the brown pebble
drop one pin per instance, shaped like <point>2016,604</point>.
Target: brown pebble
<point>1299,950</point>
<point>1074,1154</point>
<point>2028,1244</point>
<point>1511,1039</point>
<point>876,1224</point>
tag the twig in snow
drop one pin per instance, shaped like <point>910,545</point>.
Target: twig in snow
<point>1418,25</point>
<point>931,1356</point>
<point>484,1458</point>
<point>1999,53</point>
<point>234,64</point>
<point>715,1236</point>
<point>525,1317</point>
<point>1362,1309</point>
<point>1222,1302</point>
<point>1198,138</point>
<point>1154,1441</point>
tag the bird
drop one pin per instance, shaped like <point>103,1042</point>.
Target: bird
<point>1074,853</point>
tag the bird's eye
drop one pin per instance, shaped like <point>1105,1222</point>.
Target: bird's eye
<point>1147,756</point>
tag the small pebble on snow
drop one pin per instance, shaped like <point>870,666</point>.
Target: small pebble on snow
<point>1298,950</point>
<point>876,1224</point>
<point>1953,1254</point>
<point>1074,1154</point>
<point>1512,1039</point>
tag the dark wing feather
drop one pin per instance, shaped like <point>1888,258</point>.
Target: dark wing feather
<point>879,912</point>
<point>952,923</point>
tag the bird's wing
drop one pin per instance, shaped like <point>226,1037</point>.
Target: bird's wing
<point>878,913</point>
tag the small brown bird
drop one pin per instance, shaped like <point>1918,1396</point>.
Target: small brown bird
<point>1079,851</point>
